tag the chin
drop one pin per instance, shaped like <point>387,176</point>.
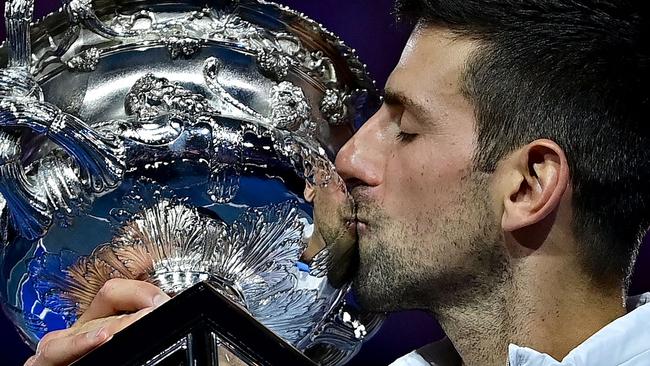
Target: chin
<point>376,305</point>
<point>371,297</point>
<point>341,271</point>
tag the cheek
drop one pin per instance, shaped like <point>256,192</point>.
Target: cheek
<point>424,178</point>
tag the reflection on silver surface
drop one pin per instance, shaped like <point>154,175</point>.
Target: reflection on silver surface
<point>180,347</point>
<point>171,143</point>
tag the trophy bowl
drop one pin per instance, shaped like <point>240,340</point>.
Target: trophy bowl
<point>173,142</point>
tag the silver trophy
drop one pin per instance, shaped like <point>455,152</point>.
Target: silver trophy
<point>172,142</point>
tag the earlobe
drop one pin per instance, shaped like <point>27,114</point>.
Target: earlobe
<point>538,179</point>
<point>310,192</point>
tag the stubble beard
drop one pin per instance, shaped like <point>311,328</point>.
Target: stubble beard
<point>441,260</point>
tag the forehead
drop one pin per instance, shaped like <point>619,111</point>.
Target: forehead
<point>431,64</point>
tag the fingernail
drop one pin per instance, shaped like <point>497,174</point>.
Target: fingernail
<point>97,333</point>
<point>160,299</point>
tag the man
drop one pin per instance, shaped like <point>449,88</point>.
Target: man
<point>503,187</point>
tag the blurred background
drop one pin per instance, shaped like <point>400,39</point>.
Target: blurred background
<point>369,27</point>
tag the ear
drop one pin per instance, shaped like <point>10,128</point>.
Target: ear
<point>310,192</point>
<point>537,176</point>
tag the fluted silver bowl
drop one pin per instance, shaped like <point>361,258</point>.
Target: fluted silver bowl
<point>170,142</point>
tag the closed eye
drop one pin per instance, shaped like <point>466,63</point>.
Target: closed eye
<point>404,137</point>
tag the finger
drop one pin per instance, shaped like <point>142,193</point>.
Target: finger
<point>62,350</point>
<point>92,324</point>
<point>121,295</point>
<point>123,321</point>
<point>64,346</point>
<point>30,361</point>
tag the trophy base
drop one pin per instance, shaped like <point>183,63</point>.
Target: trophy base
<point>199,327</point>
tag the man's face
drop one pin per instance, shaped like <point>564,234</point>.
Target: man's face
<point>333,228</point>
<point>426,228</point>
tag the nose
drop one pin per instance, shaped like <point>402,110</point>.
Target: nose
<point>362,159</point>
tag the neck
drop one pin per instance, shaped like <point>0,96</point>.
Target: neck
<point>551,312</point>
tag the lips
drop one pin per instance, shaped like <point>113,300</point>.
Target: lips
<point>351,224</point>
<point>362,228</point>
<point>356,226</point>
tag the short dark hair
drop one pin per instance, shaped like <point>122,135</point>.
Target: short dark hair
<point>575,72</point>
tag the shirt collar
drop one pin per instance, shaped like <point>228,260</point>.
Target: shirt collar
<point>616,343</point>
<point>623,338</point>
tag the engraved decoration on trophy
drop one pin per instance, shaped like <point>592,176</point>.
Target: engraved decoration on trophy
<point>172,144</point>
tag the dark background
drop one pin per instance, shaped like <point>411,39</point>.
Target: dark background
<point>367,26</point>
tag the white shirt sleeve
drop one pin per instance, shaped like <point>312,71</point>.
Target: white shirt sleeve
<point>411,359</point>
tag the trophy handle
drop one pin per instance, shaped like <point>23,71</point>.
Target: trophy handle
<point>18,15</point>
<point>82,12</point>
<point>16,79</point>
<point>34,193</point>
<point>34,196</point>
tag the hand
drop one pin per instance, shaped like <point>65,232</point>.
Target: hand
<point>99,322</point>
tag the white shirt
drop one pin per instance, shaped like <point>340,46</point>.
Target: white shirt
<point>623,342</point>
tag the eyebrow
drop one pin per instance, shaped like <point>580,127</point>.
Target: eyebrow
<point>397,98</point>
